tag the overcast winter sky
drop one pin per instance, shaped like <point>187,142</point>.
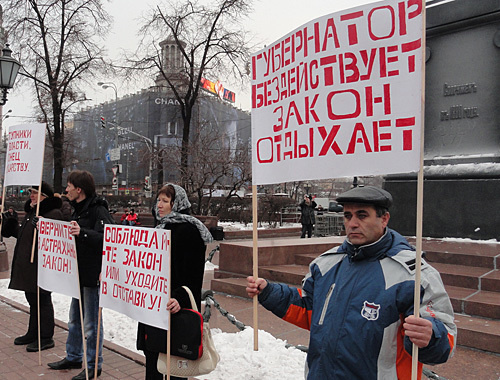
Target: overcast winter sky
<point>269,21</point>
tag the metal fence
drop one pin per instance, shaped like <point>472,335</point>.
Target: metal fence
<point>290,215</point>
<point>330,224</point>
<point>327,224</point>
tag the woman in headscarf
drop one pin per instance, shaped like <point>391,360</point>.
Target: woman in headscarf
<point>189,237</point>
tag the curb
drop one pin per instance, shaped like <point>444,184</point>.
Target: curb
<point>120,350</point>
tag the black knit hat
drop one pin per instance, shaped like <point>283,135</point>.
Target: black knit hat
<point>46,189</point>
<point>367,195</point>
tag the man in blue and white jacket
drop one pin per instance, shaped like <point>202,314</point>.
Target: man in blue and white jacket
<point>357,300</point>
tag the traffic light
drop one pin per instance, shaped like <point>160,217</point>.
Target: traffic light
<point>147,183</point>
<point>103,122</point>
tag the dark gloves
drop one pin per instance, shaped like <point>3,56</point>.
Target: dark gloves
<point>35,220</point>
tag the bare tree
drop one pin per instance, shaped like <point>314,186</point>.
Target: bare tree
<point>213,164</point>
<point>59,53</point>
<point>211,42</point>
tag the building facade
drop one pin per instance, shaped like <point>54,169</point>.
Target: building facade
<point>135,127</point>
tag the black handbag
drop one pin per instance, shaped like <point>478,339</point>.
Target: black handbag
<point>186,332</point>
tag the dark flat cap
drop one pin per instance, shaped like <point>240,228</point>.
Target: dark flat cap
<point>366,194</point>
<point>46,189</point>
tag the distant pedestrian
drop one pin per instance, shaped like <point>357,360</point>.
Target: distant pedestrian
<point>307,218</point>
<point>11,214</point>
<point>123,218</point>
<point>131,218</point>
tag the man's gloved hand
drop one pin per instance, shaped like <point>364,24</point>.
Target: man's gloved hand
<point>34,221</point>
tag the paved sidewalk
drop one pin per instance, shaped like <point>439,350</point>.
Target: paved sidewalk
<point>120,363</point>
<point>16,363</point>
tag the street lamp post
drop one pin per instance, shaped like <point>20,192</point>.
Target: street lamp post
<point>6,116</point>
<point>106,85</point>
<point>9,68</point>
<point>307,186</point>
<point>159,162</point>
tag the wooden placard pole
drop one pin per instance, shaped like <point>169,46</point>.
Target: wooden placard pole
<point>169,317</point>
<point>420,201</point>
<point>34,231</point>
<point>1,208</point>
<point>38,203</point>
<point>99,321</point>
<point>37,288</point>
<point>83,337</point>
<point>39,323</point>
<point>255,267</point>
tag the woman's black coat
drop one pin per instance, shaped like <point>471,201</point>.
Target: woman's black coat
<point>24,273</point>
<point>187,268</point>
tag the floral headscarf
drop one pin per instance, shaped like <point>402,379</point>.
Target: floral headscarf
<point>181,202</point>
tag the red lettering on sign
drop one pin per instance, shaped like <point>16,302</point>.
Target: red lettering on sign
<point>332,115</point>
<point>351,28</point>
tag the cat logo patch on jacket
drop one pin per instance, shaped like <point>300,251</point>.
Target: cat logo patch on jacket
<point>370,311</point>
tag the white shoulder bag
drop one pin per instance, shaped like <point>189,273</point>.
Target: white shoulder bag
<point>182,367</point>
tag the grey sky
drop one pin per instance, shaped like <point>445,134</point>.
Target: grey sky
<point>269,21</point>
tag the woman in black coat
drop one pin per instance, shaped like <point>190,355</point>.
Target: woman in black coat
<point>24,273</point>
<point>189,237</point>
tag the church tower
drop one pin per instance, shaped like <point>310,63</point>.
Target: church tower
<point>172,62</point>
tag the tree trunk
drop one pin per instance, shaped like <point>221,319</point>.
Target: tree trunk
<point>185,148</point>
<point>58,151</point>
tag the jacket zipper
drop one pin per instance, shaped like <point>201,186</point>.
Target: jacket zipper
<point>325,305</point>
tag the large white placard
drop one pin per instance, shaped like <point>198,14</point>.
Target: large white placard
<point>24,157</point>
<point>57,262</point>
<point>135,273</point>
<point>340,96</point>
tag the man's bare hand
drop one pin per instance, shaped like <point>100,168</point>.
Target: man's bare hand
<point>255,287</point>
<point>419,330</point>
<point>75,228</point>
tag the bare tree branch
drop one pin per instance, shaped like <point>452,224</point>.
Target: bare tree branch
<point>60,48</point>
<point>212,43</point>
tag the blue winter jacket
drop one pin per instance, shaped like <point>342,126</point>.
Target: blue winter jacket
<point>354,299</point>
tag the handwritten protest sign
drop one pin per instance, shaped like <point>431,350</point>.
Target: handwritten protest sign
<point>24,157</point>
<point>57,263</point>
<point>135,273</point>
<point>340,96</point>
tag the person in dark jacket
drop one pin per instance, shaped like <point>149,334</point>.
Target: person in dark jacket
<point>307,218</point>
<point>24,273</point>
<point>89,217</point>
<point>189,237</point>
<point>11,214</point>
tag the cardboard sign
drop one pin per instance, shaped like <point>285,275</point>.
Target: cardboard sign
<point>135,273</point>
<point>57,263</point>
<point>24,157</point>
<point>340,96</point>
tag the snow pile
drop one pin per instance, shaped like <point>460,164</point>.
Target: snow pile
<point>238,359</point>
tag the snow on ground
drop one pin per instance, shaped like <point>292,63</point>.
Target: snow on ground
<point>238,360</point>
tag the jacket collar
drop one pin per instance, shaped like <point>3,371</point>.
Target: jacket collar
<point>389,244</point>
<point>372,251</point>
<point>46,205</point>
